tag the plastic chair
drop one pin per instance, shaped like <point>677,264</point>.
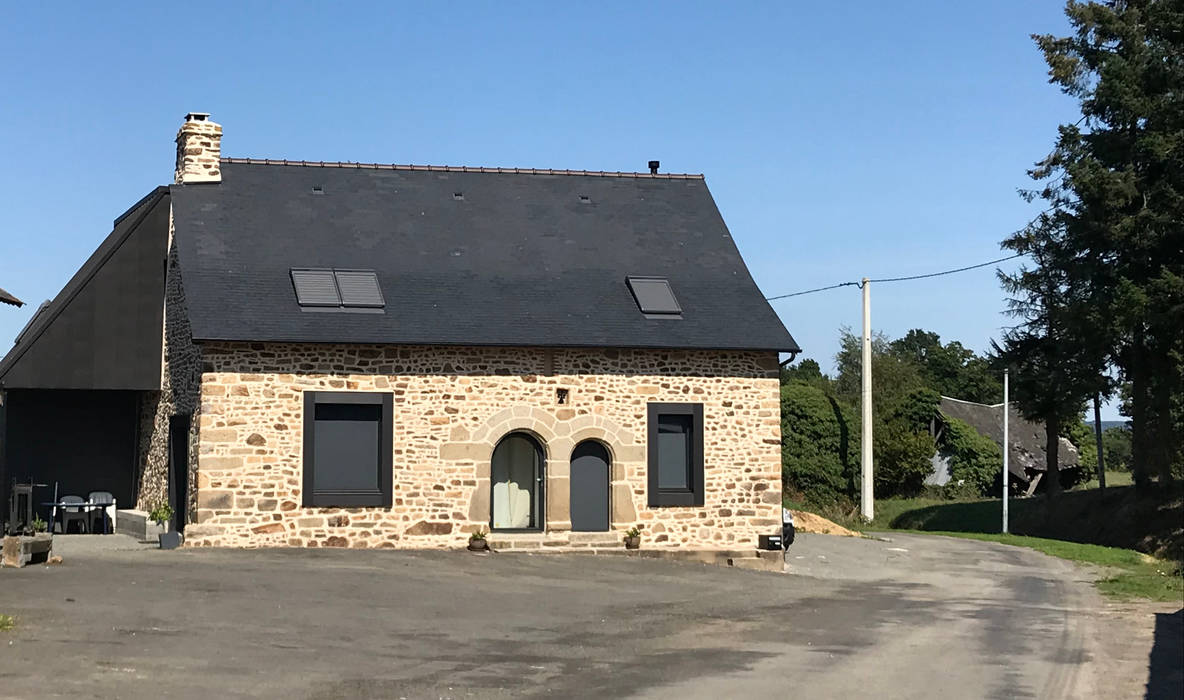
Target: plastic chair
<point>104,504</point>
<point>70,513</point>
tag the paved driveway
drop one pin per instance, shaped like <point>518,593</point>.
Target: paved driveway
<point>916,617</point>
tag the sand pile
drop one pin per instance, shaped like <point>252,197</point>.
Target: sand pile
<point>809,522</point>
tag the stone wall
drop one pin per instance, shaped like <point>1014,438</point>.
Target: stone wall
<point>180,383</point>
<point>451,407</point>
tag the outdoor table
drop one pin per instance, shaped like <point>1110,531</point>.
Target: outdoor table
<point>85,505</point>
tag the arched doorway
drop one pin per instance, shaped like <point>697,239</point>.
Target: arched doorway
<point>590,487</point>
<point>516,478</point>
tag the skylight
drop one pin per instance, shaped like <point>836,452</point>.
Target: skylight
<point>328,289</point>
<point>315,288</point>
<point>654,296</point>
<point>359,288</point>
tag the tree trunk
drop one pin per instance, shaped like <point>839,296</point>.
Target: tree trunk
<point>1052,467</point>
<point>1099,444</point>
<point>1140,435</point>
<point>1164,447</point>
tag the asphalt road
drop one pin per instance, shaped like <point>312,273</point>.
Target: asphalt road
<point>918,617</point>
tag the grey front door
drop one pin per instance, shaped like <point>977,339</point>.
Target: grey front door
<point>589,487</point>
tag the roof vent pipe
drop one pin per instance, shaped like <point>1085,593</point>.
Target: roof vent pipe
<point>654,166</point>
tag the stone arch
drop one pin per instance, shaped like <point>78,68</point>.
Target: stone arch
<point>530,419</point>
<point>558,438</point>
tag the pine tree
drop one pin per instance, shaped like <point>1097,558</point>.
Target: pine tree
<point>1109,250</point>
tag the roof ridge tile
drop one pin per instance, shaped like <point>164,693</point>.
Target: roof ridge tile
<point>459,168</point>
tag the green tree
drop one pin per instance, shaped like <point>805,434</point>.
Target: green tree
<point>903,459</point>
<point>806,371</point>
<point>950,369</point>
<point>902,407</point>
<point>1114,186</point>
<point>1116,443</point>
<point>974,458</point>
<point>1081,434</point>
<point>815,444</point>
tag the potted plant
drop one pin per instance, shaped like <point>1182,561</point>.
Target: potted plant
<point>633,538</point>
<point>39,525</point>
<point>477,542</point>
<point>161,515</point>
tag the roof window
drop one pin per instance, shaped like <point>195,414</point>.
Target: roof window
<point>654,297</point>
<point>324,289</point>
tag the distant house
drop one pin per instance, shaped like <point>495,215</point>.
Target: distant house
<point>1027,461</point>
<point>367,355</point>
<point>6,298</point>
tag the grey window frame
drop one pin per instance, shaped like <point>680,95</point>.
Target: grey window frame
<point>675,313</point>
<point>693,495</point>
<point>343,303</point>
<point>380,497</point>
<point>540,484</point>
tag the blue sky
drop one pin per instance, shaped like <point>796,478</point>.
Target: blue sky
<point>840,140</point>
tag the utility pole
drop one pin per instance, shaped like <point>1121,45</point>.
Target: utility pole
<point>1006,450</point>
<point>867,499</point>
<point>1098,439</point>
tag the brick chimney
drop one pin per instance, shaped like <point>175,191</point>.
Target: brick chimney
<point>199,145</point>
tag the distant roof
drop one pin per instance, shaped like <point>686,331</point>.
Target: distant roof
<point>1027,439</point>
<point>466,256</point>
<point>7,298</point>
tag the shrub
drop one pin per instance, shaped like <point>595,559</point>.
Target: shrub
<point>815,438</point>
<point>917,408</point>
<point>903,459</point>
<point>1081,434</point>
<point>974,458</point>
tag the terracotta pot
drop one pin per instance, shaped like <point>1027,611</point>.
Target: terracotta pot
<point>632,542</point>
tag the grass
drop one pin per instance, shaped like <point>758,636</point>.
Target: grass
<point>1133,574</point>
<point>1122,478</point>
<point>7,622</point>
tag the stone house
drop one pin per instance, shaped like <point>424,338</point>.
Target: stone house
<point>340,354</point>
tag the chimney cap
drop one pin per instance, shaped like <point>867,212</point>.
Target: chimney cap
<point>654,166</point>
<point>197,116</point>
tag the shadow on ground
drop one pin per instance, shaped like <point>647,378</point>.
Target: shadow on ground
<point>1166,679</point>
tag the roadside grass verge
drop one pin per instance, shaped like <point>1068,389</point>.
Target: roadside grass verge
<point>1132,574</point>
<point>1084,525</point>
<point>6,622</point>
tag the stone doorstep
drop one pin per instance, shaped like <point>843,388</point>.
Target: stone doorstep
<point>596,538</point>
<point>554,541</point>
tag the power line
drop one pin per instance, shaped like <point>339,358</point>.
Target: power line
<point>897,279</point>
<point>948,272</point>
<point>814,290</point>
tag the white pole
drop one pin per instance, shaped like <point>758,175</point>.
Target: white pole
<point>1006,450</point>
<point>867,499</point>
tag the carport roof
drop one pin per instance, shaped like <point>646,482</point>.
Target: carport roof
<point>7,298</point>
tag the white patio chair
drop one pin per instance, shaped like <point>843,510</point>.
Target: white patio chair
<point>104,505</point>
<point>69,513</point>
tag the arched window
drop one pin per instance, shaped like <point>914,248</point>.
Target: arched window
<point>516,476</point>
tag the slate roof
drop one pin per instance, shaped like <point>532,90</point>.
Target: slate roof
<point>1027,439</point>
<point>466,256</point>
<point>7,298</point>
